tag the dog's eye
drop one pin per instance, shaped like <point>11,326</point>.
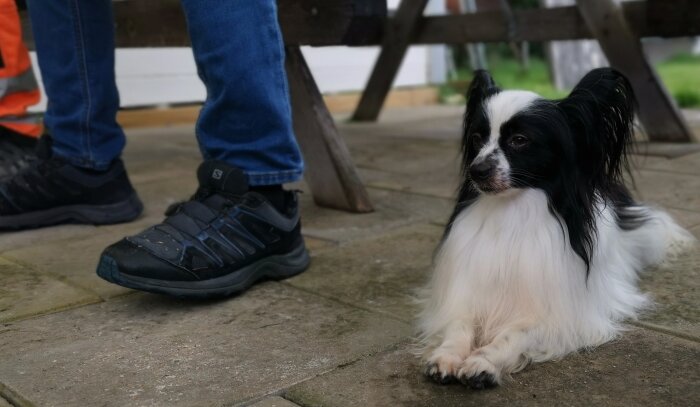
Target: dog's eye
<point>477,140</point>
<point>518,141</point>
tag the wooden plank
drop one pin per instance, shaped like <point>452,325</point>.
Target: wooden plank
<point>657,111</point>
<point>559,23</point>
<point>398,36</point>
<point>685,13</point>
<point>135,26</point>
<point>330,173</point>
<point>331,22</point>
<point>161,23</point>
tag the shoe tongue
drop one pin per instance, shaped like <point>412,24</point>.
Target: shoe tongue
<point>222,177</point>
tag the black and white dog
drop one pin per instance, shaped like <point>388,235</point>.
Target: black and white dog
<point>543,250</point>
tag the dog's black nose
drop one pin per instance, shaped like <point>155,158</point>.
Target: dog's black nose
<point>481,171</point>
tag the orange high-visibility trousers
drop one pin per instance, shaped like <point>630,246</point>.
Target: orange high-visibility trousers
<point>18,87</point>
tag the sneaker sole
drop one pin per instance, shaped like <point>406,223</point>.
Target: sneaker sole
<point>277,267</point>
<point>120,212</point>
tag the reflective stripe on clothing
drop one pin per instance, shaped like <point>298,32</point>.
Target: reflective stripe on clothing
<point>24,82</point>
<point>29,125</point>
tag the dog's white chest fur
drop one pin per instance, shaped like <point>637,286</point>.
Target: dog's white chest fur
<point>503,255</point>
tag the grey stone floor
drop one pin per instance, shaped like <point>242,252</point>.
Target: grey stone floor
<point>337,335</point>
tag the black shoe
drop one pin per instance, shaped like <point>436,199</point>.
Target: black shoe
<point>16,152</point>
<point>217,244</point>
<point>51,191</point>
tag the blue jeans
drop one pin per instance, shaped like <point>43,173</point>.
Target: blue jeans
<point>245,121</point>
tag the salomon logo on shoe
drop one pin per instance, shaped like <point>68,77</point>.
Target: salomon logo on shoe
<point>217,174</point>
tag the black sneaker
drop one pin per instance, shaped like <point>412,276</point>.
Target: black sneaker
<point>16,152</point>
<point>217,244</point>
<point>51,191</point>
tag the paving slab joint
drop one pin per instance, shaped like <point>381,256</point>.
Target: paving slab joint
<point>14,398</point>
<point>665,330</point>
<point>386,349</point>
<point>37,270</point>
<point>347,304</point>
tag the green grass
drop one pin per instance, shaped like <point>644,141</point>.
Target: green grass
<point>509,75</point>
<point>681,76</point>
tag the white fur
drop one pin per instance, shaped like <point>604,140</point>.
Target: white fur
<point>508,289</point>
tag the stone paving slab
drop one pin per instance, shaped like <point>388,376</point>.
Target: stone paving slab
<point>676,292</point>
<point>381,274</point>
<point>669,190</point>
<point>392,210</point>
<point>641,368</point>
<point>403,155</point>
<point>76,259</point>
<point>689,164</point>
<point>687,219</point>
<point>151,350</point>
<point>440,183</point>
<point>428,122</point>
<point>422,166</point>
<point>36,237</point>
<point>24,293</point>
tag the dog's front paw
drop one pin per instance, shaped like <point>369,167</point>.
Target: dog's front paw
<point>478,373</point>
<point>442,366</point>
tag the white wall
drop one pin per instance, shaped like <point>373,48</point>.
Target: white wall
<point>157,76</point>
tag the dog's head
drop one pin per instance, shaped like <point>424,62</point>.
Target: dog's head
<point>572,149</point>
<point>516,139</point>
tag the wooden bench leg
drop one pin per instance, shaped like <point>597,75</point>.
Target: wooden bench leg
<point>657,112</point>
<point>330,172</point>
<point>397,38</point>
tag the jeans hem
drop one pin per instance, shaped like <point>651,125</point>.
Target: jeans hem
<point>274,178</point>
<point>83,162</point>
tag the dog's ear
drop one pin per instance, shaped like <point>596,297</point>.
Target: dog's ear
<point>481,87</point>
<point>600,111</point>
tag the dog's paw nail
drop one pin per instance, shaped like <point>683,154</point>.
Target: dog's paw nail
<point>449,379</point>
<point>480,381</point>
<point>433,372</point>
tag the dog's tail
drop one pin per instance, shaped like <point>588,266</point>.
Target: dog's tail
<point>659,238</point>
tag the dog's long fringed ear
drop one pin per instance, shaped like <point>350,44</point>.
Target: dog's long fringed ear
<point>481,87</point>
<point>600,111</point>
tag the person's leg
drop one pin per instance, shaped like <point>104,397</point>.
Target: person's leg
<point>75,46</point>
<point>246,119</point>
<point>77,176</point>
<point>240,226</point>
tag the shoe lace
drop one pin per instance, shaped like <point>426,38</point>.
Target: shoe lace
<point>201,195</point>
